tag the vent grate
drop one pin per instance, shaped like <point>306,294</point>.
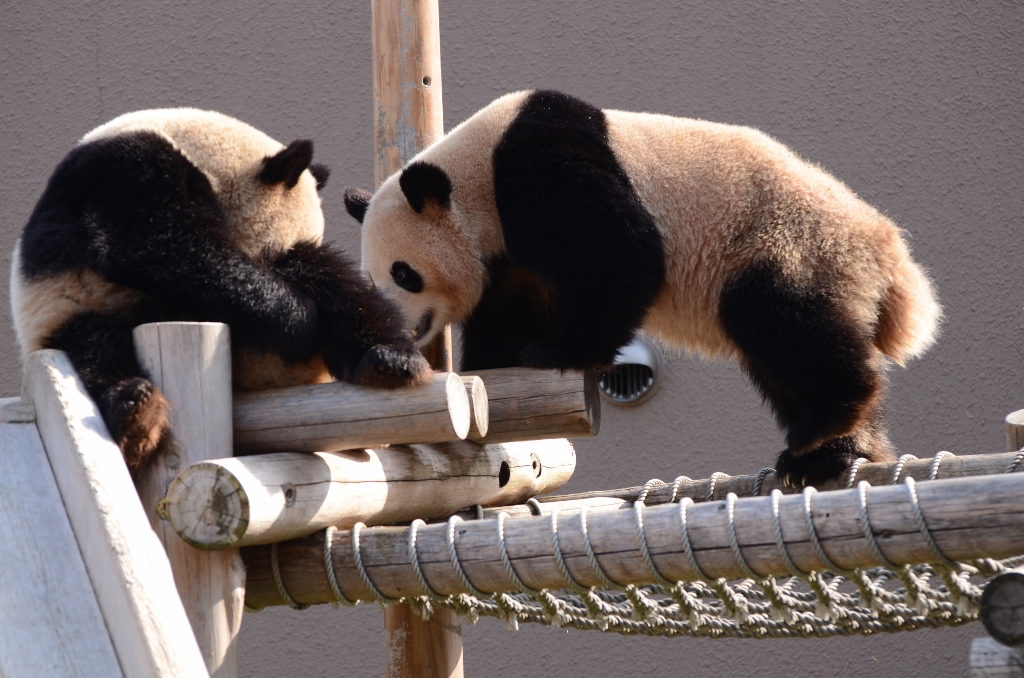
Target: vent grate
<point>626,383</point>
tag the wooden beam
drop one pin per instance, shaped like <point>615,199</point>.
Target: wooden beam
<point>968,518</point>
<point>528,404</point>
<point>50,621</point>
<point>191,363</point>
<point>340,416</point>
<point>129,570</point>
<point>880,473</point>
<point>262,499</point>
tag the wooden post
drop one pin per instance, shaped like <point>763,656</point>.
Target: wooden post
<point>1015,430</point>
<point>191,363</point>
<point>128,568</point>
<point>407,113</point>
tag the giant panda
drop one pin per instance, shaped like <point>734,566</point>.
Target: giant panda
<point>184,214</point>
<point>554,230</point>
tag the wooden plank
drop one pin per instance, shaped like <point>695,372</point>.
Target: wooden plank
<point>50,622</point>
<point>191,363</point>
<point>128,568</point>
<point>528,404</point>
<point>340,416</point>
<point>261,499</point>
<point>16,411</point>
<point>968,518</point>
<point>989,659</point>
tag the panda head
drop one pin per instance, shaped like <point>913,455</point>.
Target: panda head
<point>419,248</point>
<point>268,191</point>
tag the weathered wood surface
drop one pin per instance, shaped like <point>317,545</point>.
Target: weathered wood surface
<point>340,416</point>
<point>266,498</point>
<point>968,518</point>
<point>191,363</point>
<point>990,659</point>
<point>127,566</point>
<point>16,411</point>
<point>479,404</point>
<point>880,473</point>
<point>1002,608</point>
<point>50,621</point>
<point>528,404</point>
<point>1015,430</point>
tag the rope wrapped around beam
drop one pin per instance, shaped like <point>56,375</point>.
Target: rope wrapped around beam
<point>861,560</point>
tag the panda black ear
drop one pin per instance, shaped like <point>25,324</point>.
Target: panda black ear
<point>356,202</point>
<point>321,173</point>
<point>421,182</point>
<point>288,164</point>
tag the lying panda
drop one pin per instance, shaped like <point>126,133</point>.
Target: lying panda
<point>184,214</point>
<point>554,230</point>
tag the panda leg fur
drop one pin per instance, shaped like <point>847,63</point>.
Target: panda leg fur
<point>818,371</point>
<point>362,338</point>
<point>133,408</point>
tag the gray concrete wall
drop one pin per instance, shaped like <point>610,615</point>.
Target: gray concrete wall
<point>916,105</point>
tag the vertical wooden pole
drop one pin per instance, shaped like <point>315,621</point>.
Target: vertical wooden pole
<point>191,363</point>
<point>407,117</point>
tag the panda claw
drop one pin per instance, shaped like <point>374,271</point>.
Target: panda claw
<point>387,366</point>
<point>137,416</point>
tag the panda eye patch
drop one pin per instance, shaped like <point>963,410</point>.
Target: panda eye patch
<point>406,277</point>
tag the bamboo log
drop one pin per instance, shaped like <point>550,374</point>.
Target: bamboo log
<point>191,363</point>
<point>968,518</point>
<point>340,416</point>
<point>267,498</point>
<point>528,404</point>
<point>128,569</point>
<point>880,473</point>
<point>1002,608</point>
<point>989,659</point>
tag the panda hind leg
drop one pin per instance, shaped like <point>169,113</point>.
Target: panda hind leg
<point>133,407</point>
<point>817,370</point>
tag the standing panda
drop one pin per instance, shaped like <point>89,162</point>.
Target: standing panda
<point>553,231</point>
<point>183,214</point>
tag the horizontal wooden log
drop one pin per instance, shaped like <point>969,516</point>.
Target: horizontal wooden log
<point>880,473</point>
<point>528,404</point>
<point>1002,608</point>
<point>968,518</point>
<point>341,416</point>
<point>266,498</point>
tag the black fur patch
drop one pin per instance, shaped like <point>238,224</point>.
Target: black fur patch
<point>357,201</point>
<point>516,309</point>
<point>355,319</point>
<point>572,218</point>
<point>422,182</point>
<point>813,366</point>
<point>321,173</point>
<point>288,164</point>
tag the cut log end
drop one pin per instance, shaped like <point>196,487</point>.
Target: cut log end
<point>1002,608</point>
<point>458,405</point>
<point>207,506</point>
<point>479,410</point>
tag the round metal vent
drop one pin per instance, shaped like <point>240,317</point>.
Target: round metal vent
<point>633,376</point>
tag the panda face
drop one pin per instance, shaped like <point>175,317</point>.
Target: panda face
<point>263,211</point>
<point>422,259</point>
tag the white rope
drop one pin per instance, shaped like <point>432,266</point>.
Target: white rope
<point>922,525</point>
<point>676,485</point>
<point>332,578</point>
<point>734,544</point>
<point>759,481</point>
<point>851,478</point>
<point>712,482</point>
<point>933,472</point>
<point>645,490</point>
<point>898,471</point>
<point>357,555</point>
<point>590,552</point>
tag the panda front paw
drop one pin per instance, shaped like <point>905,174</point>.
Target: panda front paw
<point>390,366</point>
<point>827,463</point>
<point>136,415</point>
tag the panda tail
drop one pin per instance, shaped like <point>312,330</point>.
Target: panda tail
<point>909,313</point>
